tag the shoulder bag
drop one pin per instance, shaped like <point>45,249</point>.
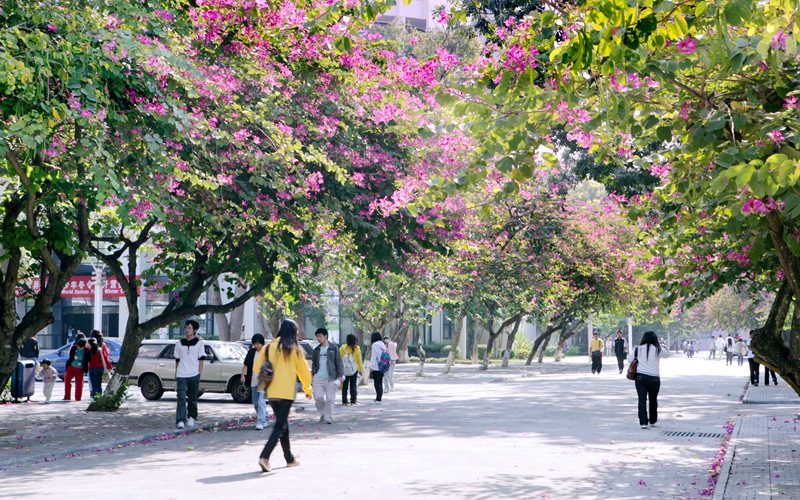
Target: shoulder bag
<point>631,375</point>
<point>106,371</point>
<point>266,373</point>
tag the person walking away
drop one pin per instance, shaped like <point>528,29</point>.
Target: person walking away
<point>648,376</point>
<point>49,375</point>
<point>190,352</point>
<point>620,350</point>
<point>327,374</point>
<point>596,353</point>
<point>77,367</point>
<point>712,348</point>
<point>719,345</point>
<point>388,377</point>
<point>767,373</point>
<point>751,360</point>
<point>251,367</point>
<point>30,351</point>
<point>378,348</point>
<point>99,362</point>
<point>288,364</point>
<point>729,351</point>
<point>740,350</point>
<point>353,367</point>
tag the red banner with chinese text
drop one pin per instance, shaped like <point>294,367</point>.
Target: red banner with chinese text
<point>82,287</point>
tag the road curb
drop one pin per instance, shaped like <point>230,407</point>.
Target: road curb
<point>725,471</point>
<point>115,444</point>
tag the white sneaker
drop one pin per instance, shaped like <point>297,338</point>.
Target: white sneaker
<point>190,422</point>
<point>259,427</point>
<point>180,425</point>
<point>652,425</point>
<point>644,426</point>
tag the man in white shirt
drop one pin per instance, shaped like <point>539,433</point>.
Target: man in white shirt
<point>720,346</point>
<point>712,348</point>
<point>754,365</point>
<point>190,352</point>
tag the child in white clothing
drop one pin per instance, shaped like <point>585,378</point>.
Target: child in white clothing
<point>49,376</point>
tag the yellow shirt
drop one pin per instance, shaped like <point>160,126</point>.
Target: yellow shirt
<point>356,354</point>
<point>596,345</point>
<point>287,370</point>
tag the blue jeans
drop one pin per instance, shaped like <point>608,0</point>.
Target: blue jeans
<point>260,404</point>
<point>96,380</point>
<point>187,397</point>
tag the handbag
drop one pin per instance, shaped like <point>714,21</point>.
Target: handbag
<point>106,372</point>
<point>266,374</point>
<point>631,375</point>
<point>596,354</point>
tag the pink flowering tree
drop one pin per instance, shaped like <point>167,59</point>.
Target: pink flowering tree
<point>713,85</point>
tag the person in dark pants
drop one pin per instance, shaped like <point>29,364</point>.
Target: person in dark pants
<point>351,357</point>
<point>620,350</point>
<point>596,352</point>
<point>767,373</point>
<point>648,376</point>
<point>30,350</point>
<point>751,360</point>
<point>378,348</point>
<point>288,364</point>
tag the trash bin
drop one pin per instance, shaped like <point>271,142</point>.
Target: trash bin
<point>23,379</point>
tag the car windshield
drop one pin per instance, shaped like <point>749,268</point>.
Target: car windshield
<point>230,351</point>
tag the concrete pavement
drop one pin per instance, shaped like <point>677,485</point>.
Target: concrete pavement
<point>550,431</point>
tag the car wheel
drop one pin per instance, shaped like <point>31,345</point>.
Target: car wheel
<point>151,387</point>
<point>240,392</point>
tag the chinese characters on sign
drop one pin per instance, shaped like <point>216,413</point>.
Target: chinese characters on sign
<point>82,287</point>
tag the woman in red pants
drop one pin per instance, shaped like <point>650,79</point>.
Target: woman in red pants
<point>77,366</point>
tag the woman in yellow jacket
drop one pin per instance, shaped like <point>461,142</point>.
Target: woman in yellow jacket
<point>288,364</point>
<point>351,357</point>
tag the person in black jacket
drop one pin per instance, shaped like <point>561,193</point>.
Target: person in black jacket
<point>30,350</point>
<point>77,367</point>
<point>620,350</point>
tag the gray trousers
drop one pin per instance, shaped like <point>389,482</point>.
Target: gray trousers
<point>325,390</point>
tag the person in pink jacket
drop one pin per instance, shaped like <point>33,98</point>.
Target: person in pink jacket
<point>388,379</point>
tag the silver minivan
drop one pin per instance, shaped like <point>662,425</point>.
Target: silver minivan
<point>154,369</point>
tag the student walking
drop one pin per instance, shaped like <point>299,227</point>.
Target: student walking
<point>648,376</point>
<point>767,373</point>
<point>388,378</point>
<point>190,352</point>
<point>288,364</point>
<point>249,377</point>
<point>378,348</point>
<point>351,360</point>
<point>741,350</point>
<point>327,373</point>
<point>596,353</point>
<point>730,350</point>
<point>754,365</point>
<point>620,350</point>
<point>712,348</point>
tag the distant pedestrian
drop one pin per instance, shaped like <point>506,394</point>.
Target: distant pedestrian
<point>620,350</point>
<point>249,377</point>
<point>712,348</point>
<point>719,344</point>
<point>378,348</point>
<point>77,367</point>
<point>190,352</point>
<point>288,364</point>
<point>351,359</point>
<point>49,375</point>
<point>648,376</point>
<point>740,350</point>
<point>388,378</point>
<point>99,362</point>
<point>767,373</point>
<point>327,374</point>
<point>751,360</point>
<point>30,351</point>
<point>609,346</point>
<point>596,353</point>
<point>730,350</point>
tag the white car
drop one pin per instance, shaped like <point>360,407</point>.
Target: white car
<point>154,369</point>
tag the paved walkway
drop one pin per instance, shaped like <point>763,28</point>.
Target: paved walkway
<point>548,431</point>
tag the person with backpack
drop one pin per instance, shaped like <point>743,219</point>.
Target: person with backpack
<point>388,378</point>
<point>379,364</point>
<point>327,372</point>
<point>351,359</point>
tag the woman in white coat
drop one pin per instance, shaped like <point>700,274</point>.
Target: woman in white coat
<point>648,376</point>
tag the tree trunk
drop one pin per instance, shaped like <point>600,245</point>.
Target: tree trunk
<point>489,346</point>
<point>402,341</point>
<point>544,346</point>
<point>768,344</point>
<point>549,331</point>
<point>472,335</point>
<point>510,343</point>
<point>223,327</point>
<point>454,344</point>
<point>560,348</point>
<point>422,354</point>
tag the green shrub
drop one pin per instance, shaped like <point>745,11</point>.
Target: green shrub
<point>446,351</point>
